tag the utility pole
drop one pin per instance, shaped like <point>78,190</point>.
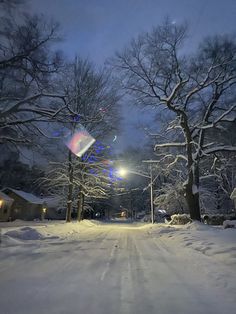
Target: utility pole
<point>151,192</point>
<point>123,171</point>
<point>131,204</point>
<point>150,162</point>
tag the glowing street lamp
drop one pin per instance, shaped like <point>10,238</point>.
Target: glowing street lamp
<point>123,172</point>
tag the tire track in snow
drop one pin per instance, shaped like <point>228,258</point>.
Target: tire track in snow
<point>109,262</point>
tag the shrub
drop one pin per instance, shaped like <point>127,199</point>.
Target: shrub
<point>229,224</point>
<point>182,219</point>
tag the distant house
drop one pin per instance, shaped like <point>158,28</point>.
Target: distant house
<point>25,206</point>
<point>5,206</point>
<point>55,209</point>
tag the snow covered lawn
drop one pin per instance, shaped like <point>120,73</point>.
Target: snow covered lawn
<point>26,230</point>
<point>209,240</point>
<point>218,245</point>
<point>101,268</point>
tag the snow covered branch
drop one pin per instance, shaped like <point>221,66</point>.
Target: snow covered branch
<point>220,148</point>
<point>167,145</point>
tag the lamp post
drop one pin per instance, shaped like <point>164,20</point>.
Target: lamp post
<point>122,172</point>
<point>150,162</point>
<point>151,192</point>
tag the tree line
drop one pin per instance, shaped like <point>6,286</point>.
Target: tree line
<point>192,97</point>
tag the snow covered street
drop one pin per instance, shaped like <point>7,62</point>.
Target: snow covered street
<point>115,268</point>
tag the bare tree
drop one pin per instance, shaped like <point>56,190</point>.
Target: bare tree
<point>197,91</point>
<point>91,101</point>
<point>89,177</point>
<point>27,66</point>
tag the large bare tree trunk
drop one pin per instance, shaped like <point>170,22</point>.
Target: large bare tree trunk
<point>192,193</point>
<point>193,203</point>
<point>70,188</point>
<point>192,186</point>
<point>80,206</point>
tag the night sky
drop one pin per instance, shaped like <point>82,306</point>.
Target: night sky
<point>98,28</point>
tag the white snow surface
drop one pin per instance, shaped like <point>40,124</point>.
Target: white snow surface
<point>116,267</point>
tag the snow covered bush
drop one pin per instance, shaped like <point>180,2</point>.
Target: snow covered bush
<point>180,219</point>
<point>215,220</point>
<point>171,198</point>
<point>229,224</point>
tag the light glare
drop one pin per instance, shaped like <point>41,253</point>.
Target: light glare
<point>122,172</point>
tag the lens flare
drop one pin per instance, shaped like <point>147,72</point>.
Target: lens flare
<point>79,142</point>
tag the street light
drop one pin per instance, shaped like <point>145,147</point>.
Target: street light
<point>123,171</point>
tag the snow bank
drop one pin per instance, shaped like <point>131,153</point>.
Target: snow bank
<point>229,224</point>
<point>26,233</point>
<point>195,225</point>
<point>45,230</point>
<point>180,219</point>
<point>90,223</point>
<point>212,241</point>
<point>159,230</point>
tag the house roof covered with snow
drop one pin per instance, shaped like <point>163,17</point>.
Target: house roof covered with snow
<point>52,201</point>
<point>5,197</point>
<point>31,198</point>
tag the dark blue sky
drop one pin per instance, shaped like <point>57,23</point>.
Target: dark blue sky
<point>98,28</point>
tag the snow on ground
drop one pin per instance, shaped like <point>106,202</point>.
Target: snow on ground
<point>116,267</point>
<point>218,245</point>
<point>209,240</point>
<point>38,230</point>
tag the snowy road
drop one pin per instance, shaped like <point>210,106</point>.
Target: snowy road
<point>112,268</point>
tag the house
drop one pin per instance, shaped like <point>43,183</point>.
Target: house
<point>55,208</point>
<point>5,206</point>
<point>25,206</point>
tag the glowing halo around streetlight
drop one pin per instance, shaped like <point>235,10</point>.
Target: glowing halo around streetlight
<point>122,172</point>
